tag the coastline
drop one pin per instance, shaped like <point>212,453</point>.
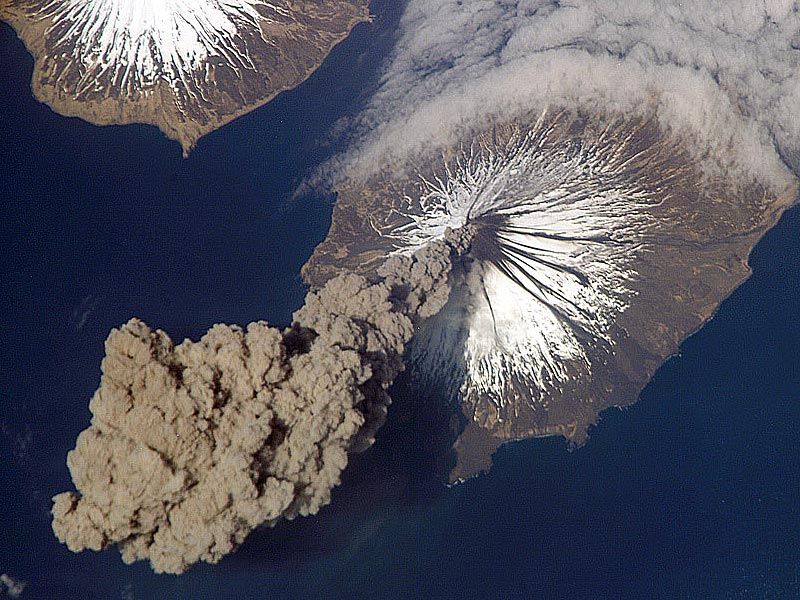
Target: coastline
<point>154,106</point>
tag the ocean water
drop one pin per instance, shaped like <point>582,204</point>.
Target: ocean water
<point>692,493</point>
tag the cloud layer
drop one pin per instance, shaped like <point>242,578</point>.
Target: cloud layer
<point>725,73</point>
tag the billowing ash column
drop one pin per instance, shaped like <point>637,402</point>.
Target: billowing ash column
<point>194,445</point>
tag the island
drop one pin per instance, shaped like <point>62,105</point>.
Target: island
<point>600,242</point>
<point>187,68</point>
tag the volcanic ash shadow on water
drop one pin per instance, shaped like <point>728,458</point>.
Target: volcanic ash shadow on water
<point>598,243</point>
<point>403,473</point>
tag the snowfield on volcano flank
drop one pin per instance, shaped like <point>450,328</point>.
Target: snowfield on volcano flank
<point>619,161</point>
<point>186,66</point>
<point>599,244</point>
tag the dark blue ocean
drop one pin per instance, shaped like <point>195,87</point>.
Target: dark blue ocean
<point>693,493</point>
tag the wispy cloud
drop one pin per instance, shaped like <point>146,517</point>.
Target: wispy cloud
<point>12,587</point>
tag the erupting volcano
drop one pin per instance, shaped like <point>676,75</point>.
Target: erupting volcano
<point>598,245</point>
<point>537,203</point>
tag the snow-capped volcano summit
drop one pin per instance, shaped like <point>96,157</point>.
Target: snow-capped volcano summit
<point>132,44</point>
<point>597,243</point>
<point>187,66</point>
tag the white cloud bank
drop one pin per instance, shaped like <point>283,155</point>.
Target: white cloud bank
<point>726,73</point>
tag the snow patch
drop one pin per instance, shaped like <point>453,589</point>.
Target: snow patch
<point>134,44</point>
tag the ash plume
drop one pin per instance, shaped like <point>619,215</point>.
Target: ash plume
<point>194,445</point>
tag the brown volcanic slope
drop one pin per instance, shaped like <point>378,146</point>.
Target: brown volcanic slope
<point>600,246</point>
<point>186,71</point>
